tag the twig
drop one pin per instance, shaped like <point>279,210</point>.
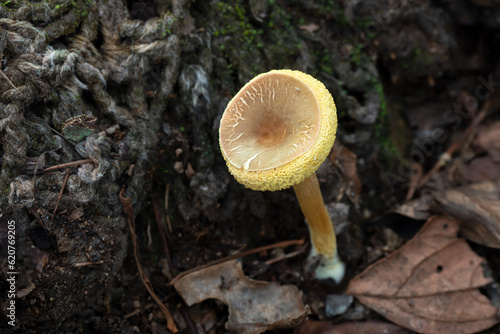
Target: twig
<point>3,43</point>
<point>60,193</point>
<point>134,312</point>
<point>62,136</point>
<point>68,164</point>
<point>443,160</point>
<point>237,255</point>
<point>129,211</point>
<point>10,82</point>
<point>414,181</point>
<point>284,257</point>
<point>85,264</point>
<point>167,192</point>
<point>131,314</point>
<point>161,231</point>
<point>460,144</point>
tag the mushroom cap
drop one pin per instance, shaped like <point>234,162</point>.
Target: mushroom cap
<point>278,130</point>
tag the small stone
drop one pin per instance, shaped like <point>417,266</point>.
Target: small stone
<point>337,304</point>
<point>112,129</point>
<point>167,129</point>
<point>357,312</point>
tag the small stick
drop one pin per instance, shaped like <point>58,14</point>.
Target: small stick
<point>167,192</point>
<point>60,193</point>
<point>284,257</point>
<point>462,143</point>
<point>414,181</point>
<point>443,160</point>
<point>131,314</point>
<point>299,242</point>
<point>134,312</point>
<point>161,231</point>
<point>84,264</point>
<point>129,211</point>
<point>10,82</point>
<point>68,164</point>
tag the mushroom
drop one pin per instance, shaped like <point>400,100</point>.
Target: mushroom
<point>274,134</point>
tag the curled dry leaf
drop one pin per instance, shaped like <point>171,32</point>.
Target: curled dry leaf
<point>430,285</point>
<point>254,306</point>
<point>358,327</point>
<point>418,208</point>
<point>477,206</point>
<point>481,169</point>
<point>488,138</point>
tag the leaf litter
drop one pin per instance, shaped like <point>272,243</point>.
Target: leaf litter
<point>254,306</point>
<point>431,284</point>
<point>476,206</point>
<point>486,166</point>
<point>358,327</point>
<point>488,139</point>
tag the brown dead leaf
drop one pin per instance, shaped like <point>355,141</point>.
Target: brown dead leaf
<point>481,169</point>
<point>368,327</point>
<point>488,138</point>
<point>76,214</point>
<point>477,206</point>
<point>254,306</point>
<point>430,284</point>
<point>346,160</point>
<point>417,208</point>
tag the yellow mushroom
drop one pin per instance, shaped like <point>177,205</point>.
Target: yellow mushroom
<point>274,134</point>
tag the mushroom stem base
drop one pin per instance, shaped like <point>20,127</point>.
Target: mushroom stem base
<point>332,268</point>
<point>324,242</point>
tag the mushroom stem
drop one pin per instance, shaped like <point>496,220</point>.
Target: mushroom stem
<point>324,242</point>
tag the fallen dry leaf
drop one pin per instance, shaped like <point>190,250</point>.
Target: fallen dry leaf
<point>481,169</point>
<point>346,160</point>
<point>488,138</point>
<point>254,306</point>
<point>418,208</point>
<point>358,327</point>
<point>477,206</point>
<point>430,284</point>
<point>76,214</point>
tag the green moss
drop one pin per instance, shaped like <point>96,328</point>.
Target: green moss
<point>355,55</point>
<point>236,22</point>
<point>325,62</point>
<point>246,45</point>
<point>391,132</point>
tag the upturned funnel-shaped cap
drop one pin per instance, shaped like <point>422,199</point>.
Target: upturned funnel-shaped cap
<point>278,130</point>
